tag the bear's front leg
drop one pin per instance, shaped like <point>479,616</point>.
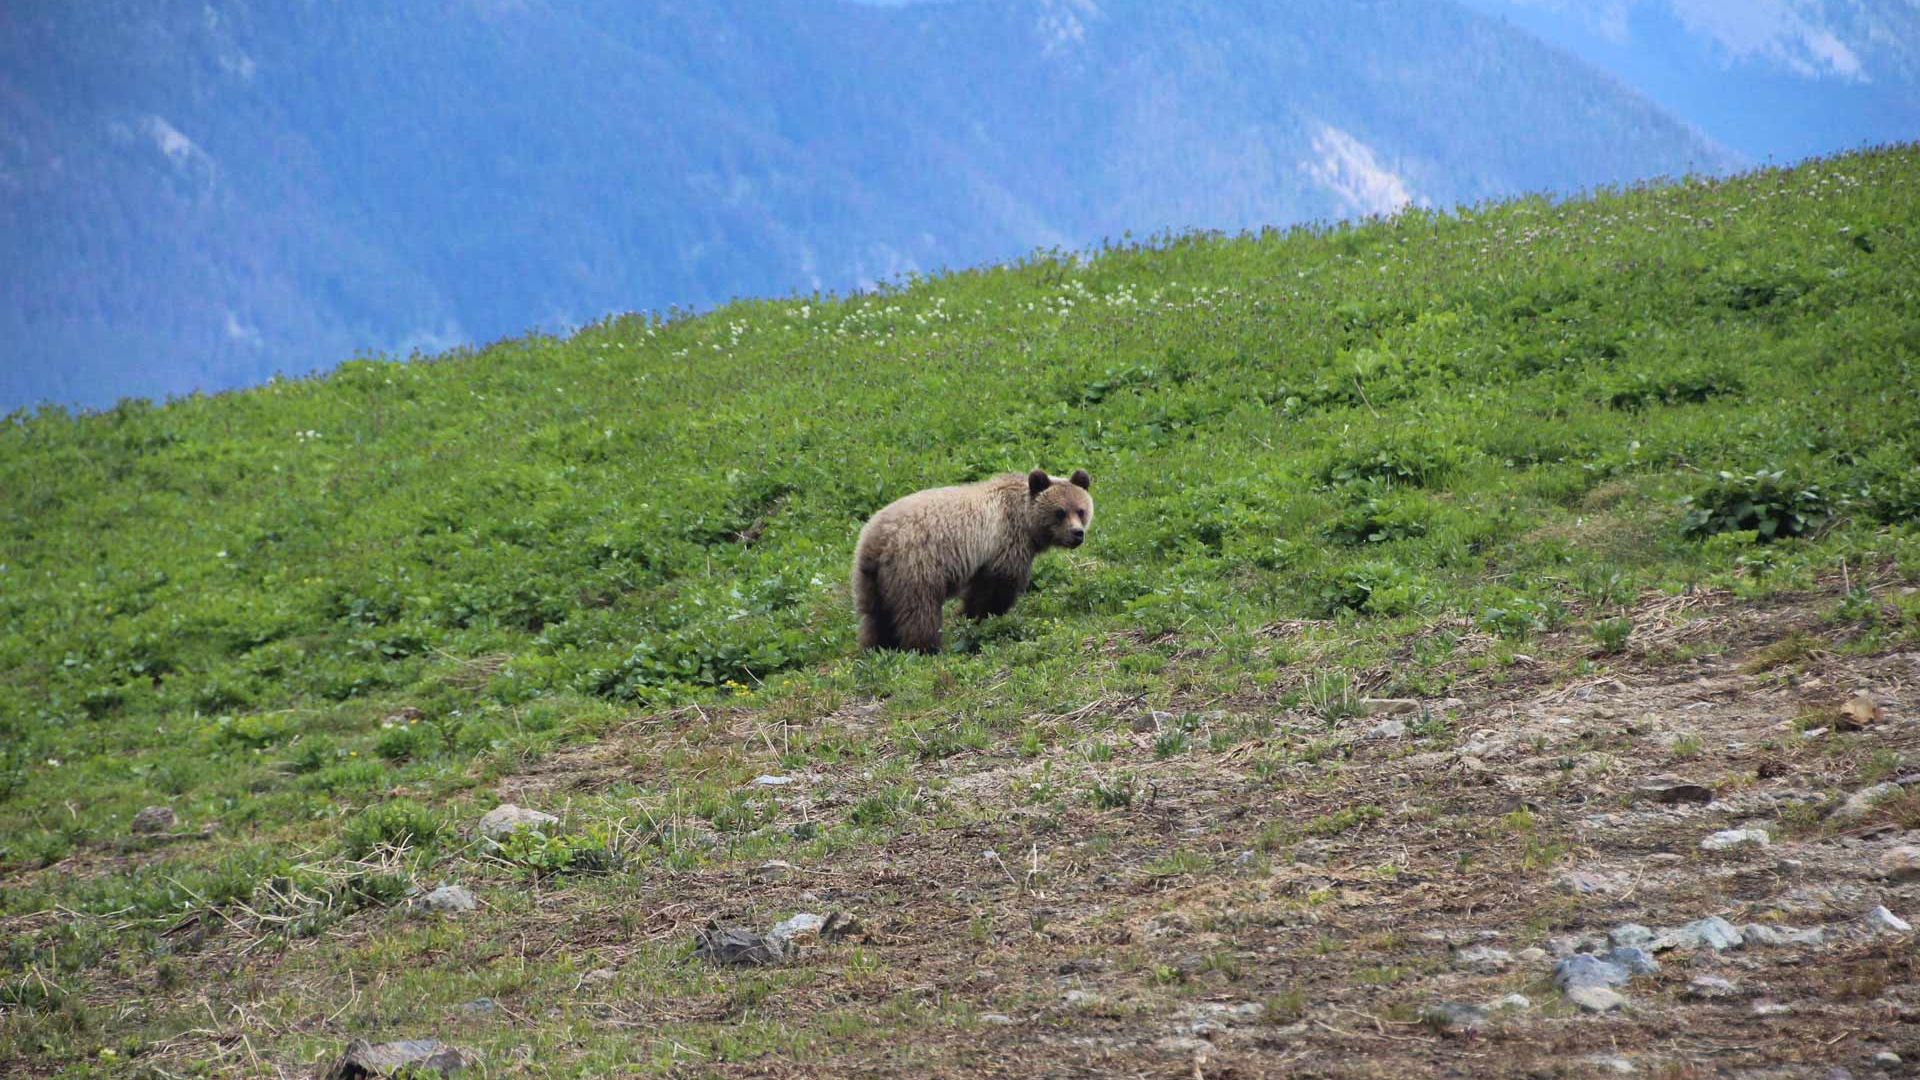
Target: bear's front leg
<point>990,594</point>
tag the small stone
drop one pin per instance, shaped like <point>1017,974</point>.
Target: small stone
<point>1887,1059</point>
<point>1900,863</point>
<point>1729,839</point>
<point>772,781</point>
<point>449,900</point>
<point>1631,934</point>
<point>799,925</point>
<point>506,819</point>
<point>733,946</point>
<point>1388,729</point>
<point>1483,958</point>
<point>1672,790</point>
<point>1453,1017</point>
<point>1665,858</point>
<point>1512,1003</point>
<point>1595,999</point>
<point>1183,1045</point>
<point>1761,934</point>
<point>996,1019</point>
<point>1709,987</point>
<point>1584,969</point>
<point>1080,999</point>
<point>1587,883</point>
<point>1636,960</point>
<point>153,819</point>
<point>1862,802</point>
<point>1611,1063</point>
<point>1389,706</point>
<point>1771,1008</point>
<point>367,1061</point>
<point>1882,921</point>
<point>1712,932</point>
<point>1861,710</point>
<point>1530,955</point>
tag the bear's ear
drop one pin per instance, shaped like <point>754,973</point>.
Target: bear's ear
<point>1081,479</point>
<point>1038,481</point>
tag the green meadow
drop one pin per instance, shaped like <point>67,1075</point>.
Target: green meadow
<point>329,621</point>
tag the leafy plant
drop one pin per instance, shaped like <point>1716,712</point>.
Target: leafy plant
<point>1764,503</point>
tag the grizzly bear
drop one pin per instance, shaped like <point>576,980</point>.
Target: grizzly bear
<point>976,541</point>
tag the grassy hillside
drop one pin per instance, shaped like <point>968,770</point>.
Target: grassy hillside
<point>328,622</point>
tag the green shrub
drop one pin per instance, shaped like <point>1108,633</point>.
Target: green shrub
<point>1764,503</point>
<point>399,823</point>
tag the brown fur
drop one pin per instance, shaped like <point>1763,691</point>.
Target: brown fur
<point>976,541</point>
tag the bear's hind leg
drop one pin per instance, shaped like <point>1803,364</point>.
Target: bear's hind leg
<point>916,619</point>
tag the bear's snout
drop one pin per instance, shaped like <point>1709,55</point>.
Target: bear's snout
<point>1076,537</point>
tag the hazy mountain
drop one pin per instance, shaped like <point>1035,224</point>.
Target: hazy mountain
<point>198,195</point>
<point>1780,79</point>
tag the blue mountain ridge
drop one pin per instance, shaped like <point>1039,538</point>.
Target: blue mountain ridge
<point>199,195</point>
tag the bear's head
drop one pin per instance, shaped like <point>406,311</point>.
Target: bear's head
<point>1059,510</point>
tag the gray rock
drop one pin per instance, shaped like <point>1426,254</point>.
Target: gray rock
<point>1595,999</point>
<point>1665,858</point>
<point>996,1019</point>
<point>1712,932</point>
<point>1183,1045</point>
<point>1672,790</point>
<point>1587,882</point>
<point>1899,863</point>
<point>1710,987</point>
<point>1862,802</point>
<point>1730,839</point>
<point>1453,1017</point>
<point>1080,999</point>
<point>1771,1008</point>
<point>449,900</point>
<point>773,868</point>
<point>1887,1059</point>
<point>1612,1063</point>
<point>1388,729</point>
<point>1483,958</point>
<point>1882,921</point>
<point>1531,955</point>
<point>1389,706</point>
<point>772,781</point>
<point>153,819</point>
<point>1631,935</point>
<point>1511,1003</point>
<point>733,946</point>
<point>1224,1013</point>
<point>480,1007</point>
<point>1636,960</point>
<point>1761,934</point>
<point>506,819</point>
<point>1584,969</point>
<point>799,925</point>
<point>368,1061</point>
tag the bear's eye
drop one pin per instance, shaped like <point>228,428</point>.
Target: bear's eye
<point>1059,515</point>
